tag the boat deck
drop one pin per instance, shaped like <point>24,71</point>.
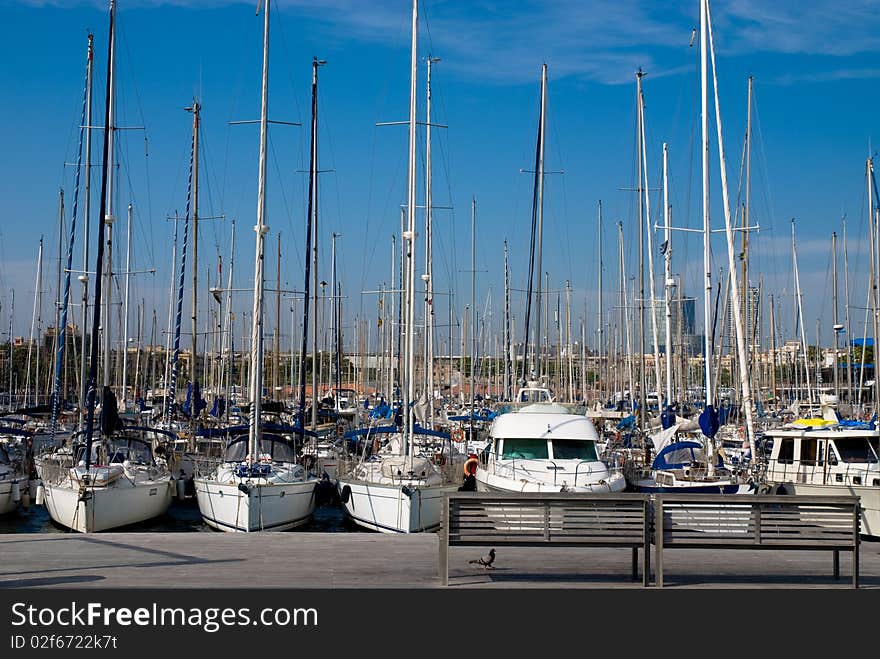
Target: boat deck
<point>368,560</point>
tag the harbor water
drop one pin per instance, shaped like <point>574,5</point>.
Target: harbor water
<point>182,516</point>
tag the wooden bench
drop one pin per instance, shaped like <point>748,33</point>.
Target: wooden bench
<point>728,521</point>
<point>478,519</point>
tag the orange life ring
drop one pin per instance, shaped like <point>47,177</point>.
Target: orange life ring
<point>470,466</point>
<point>458,435</point>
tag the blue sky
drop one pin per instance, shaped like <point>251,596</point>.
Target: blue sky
<point>815,75</point>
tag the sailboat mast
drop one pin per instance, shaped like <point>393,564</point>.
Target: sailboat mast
<point>473,302</point>
<point>600,335</point>
<point>261,230</point>
<point>837,327</point>
<point>641,228</point>
<point>507,363</point>
<point>102,216</point>
<point>313,204</point>
<point>125,306</point>
<point>668,281</point>
<point>409,238</point>
<point>649,238</point>
<point>429,258</point>
<point>109,218</point>
<point>37,285</point>
<point>84,277</point>
<point>745,384</point>
<point>196,112</point>
<point>539,344</point>
<point>707,265</point>
<point>847,330</point>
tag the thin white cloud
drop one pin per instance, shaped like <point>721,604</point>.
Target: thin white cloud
<point>601,40</point>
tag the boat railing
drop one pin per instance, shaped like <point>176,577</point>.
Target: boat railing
<point>823,473</point>
<point>509,468</point>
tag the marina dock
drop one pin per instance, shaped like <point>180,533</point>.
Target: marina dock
<point>366,560</point>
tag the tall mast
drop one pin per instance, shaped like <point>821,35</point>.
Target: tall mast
<point>37,285</point>
<point>334,320</point>
<point>473,302</point>
<point>847,330</point>
<point>125,306</point>
<point>648,233</point>
<point>313,239</point>
<point>409,239</point>
<point>837,327</point>
<point>800,313</point>
<point>642,374</point>
<point>109,218</point>
<point>668,281</point>
<point>737,312</point>
<point>601,328</point>
<point>58,274</point>
<point>747,311</point>
<point>875,248</point>
<point>429,257</point>
<point>707,265</point>
<point>540,218</point>
<point>772,352</point>
<point>96,310</point>
<point>261,230</point>
<point>506,325</point>
<point>84,278</point>
<point>196,112</point>
<point>276,345</point>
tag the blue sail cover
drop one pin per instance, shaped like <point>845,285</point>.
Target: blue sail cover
<point>667,419</point>
<point>679,454</point>
<point>709,422</point>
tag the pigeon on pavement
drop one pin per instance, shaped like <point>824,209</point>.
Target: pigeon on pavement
<point>485,561</point>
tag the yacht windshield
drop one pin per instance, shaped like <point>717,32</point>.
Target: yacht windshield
<point>855,449</point>
<point>525,449</point>
<point>280,449</point>
<point>574,449</point>
<point>120,449</point>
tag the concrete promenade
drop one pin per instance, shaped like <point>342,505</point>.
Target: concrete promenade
<point>367,560</point>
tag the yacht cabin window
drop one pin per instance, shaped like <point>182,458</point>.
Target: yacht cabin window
<point>524,449</point>
<point>574,449</point>
<point>855,449</point>
<point>786,451</point>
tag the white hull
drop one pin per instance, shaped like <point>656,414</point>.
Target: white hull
<point>7,504</point>
<point>869,499</point>
<point>264,507</point>
<point>488,482</point>
<point>394,508</point>
<point>103,508</point>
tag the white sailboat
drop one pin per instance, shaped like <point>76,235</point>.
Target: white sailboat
<point>259,486</point>
<point>114,480</point>
<point>399,488</point>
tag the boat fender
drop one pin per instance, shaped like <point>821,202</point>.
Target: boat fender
<point>41,495</point>
<point>15,492</point>
<point>26,498</point>
<point>243,487</point>
<point>345,495</point>
<point>470,466</point>
<point>781,490</point>
<point>181,488</point>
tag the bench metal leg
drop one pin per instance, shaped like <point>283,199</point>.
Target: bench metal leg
<point>836,564</point>
<point>646,576</point>
<point>855,565</point>
<point>635,564</point>
<point>443,540</point>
